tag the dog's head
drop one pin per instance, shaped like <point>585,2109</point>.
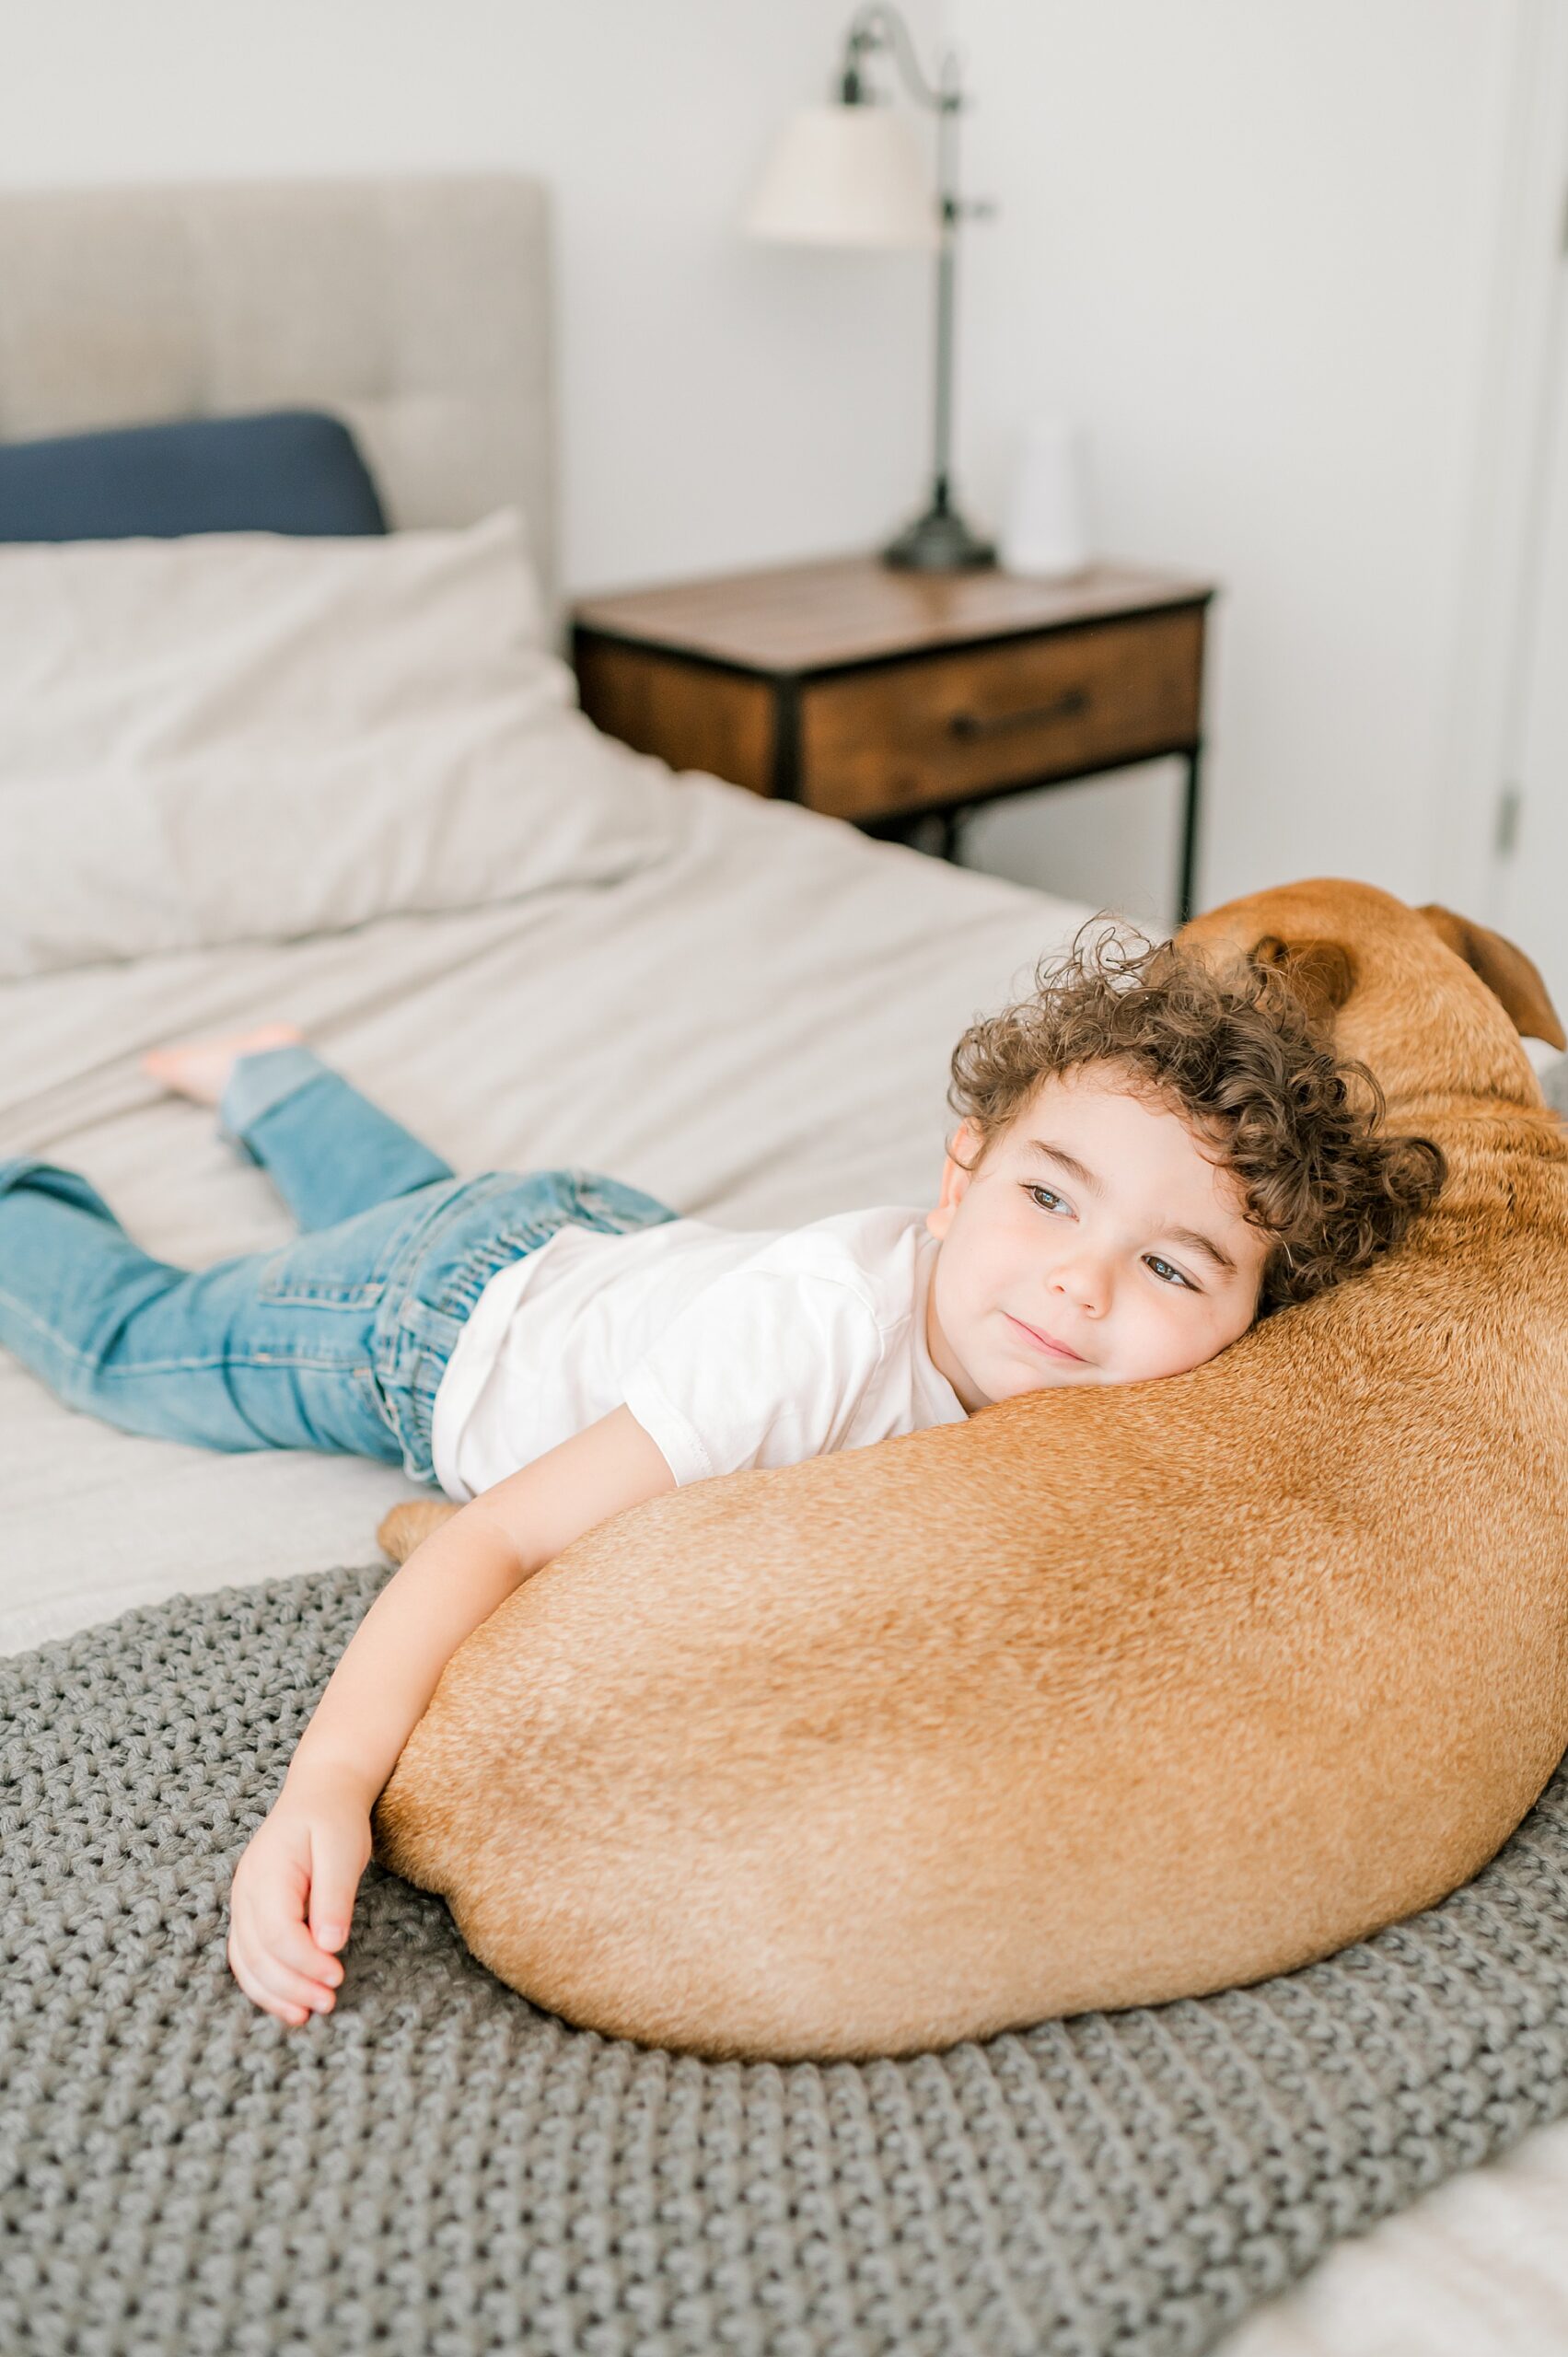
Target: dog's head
<point>1434,1003</point>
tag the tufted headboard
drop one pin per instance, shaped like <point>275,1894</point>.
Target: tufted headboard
<point>416,310</point>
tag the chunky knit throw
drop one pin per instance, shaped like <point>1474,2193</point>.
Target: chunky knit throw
<point>435,2168</point>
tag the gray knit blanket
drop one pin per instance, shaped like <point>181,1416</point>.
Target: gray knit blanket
<point>436,2168</point>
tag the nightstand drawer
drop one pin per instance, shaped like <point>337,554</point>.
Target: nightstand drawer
<point>904,735</point>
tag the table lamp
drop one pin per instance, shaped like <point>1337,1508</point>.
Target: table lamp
<point>847,174</point>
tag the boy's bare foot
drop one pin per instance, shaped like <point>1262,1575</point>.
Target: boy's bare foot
<point>199,1068</point>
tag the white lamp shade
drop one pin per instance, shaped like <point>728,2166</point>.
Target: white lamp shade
<point>844,176</point>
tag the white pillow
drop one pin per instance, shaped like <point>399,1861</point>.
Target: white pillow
<point>245,736</point>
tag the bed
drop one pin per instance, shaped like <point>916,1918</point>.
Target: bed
<point>748,1014</point>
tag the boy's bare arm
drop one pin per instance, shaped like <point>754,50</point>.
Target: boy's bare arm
<point>293,1896</point>
<point>455,1580</point>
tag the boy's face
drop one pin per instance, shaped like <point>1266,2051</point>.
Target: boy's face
<point>1103,1259</point>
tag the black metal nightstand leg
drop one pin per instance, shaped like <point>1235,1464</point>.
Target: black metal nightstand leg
<point>1189,838</point>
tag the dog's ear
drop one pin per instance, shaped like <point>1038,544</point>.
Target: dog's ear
<point>1506,971</point>
<point>1321,973</point>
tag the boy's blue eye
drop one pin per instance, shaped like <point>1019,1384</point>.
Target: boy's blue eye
<point>1041,1190</point>
<point>1155,1263</point>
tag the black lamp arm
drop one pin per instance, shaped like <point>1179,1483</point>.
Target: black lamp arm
<point>939,541</point>
<point>878,27</point>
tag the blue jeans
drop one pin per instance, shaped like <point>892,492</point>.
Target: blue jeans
<point>336,1341</point>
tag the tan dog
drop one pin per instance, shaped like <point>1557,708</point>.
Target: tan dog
<point>1104,1697</point>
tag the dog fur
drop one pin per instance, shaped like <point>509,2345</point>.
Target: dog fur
<point>1104,1697</point>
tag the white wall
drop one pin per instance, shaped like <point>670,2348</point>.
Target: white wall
<point>722,403</point>
<point>1248,243</point>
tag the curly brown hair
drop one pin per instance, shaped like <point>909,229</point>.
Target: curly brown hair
<point>1240,1058</point>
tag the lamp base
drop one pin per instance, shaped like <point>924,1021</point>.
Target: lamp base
<point>939,541</point>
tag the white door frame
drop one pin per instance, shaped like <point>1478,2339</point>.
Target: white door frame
<point>1501,550</point>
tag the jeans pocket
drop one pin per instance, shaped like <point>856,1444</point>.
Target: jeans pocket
<point>346,1266</point>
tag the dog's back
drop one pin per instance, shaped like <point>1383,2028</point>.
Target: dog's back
<point>1104,1697</point>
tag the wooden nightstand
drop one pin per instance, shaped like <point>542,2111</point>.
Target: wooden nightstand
<point>886,697</point>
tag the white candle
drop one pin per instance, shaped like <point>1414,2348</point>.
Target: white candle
<point>1045,526</point>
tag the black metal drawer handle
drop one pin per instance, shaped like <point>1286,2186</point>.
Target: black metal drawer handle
<point>969,724</point>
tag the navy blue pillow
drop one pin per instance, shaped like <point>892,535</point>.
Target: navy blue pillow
<point>288,470</point>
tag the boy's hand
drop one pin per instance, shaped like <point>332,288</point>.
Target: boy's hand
<point>293,1896</point>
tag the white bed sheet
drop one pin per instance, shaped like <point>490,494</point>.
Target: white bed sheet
<point>755,1027</point>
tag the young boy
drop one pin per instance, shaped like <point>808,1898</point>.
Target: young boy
<point>1149,1158</point>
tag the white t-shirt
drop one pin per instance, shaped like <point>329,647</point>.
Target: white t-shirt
<point>731,1347</point>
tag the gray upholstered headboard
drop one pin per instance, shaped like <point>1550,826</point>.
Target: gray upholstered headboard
<point>416,309</point>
